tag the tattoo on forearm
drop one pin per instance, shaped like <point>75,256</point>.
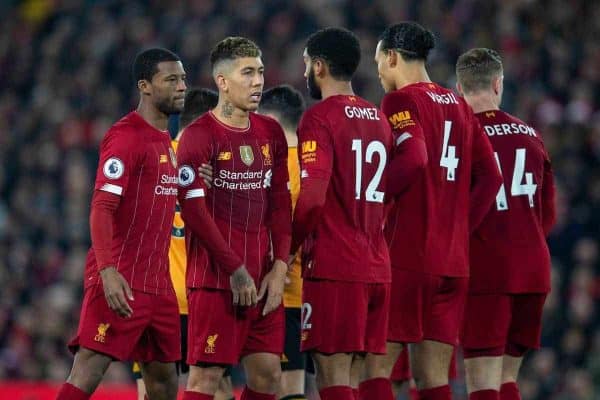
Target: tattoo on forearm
<point>227,109</point>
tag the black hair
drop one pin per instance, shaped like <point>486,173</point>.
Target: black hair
<point>286,101</point>
<point>338,48</point>
<point>145,65</point>
<point>197,102</point>
<point>408,38</point>
<point>233,47</point>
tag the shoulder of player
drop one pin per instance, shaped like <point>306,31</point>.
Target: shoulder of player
<point>125,131</point>
<point>205,122</point>
<point>317,113</point>
<point>265,121</point>
<point>203,126</point>
<point>401,99</point>
<point>266,126</point>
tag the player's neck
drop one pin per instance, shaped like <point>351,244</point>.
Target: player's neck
<point>413,73</point>
<point>152,116</point>
<point>482,101</point>
<point>230,115</point>
<point>331,87</point>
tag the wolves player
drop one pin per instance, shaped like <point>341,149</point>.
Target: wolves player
<point>247,213</point>
<point>130,224</point>
<point>510,261</point>
<point>429,225</point>
<point>345,145</point>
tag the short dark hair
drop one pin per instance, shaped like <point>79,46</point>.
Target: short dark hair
<point>476,68</point>
<point>338,48</point>
<point>233,47</point>
<point>408,38</point>
<point>286,101</point>
<point>145,65</point>
<point>197,102</point>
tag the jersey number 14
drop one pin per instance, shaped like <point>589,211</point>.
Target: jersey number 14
<point>371,194</point>
<point>517,187</point>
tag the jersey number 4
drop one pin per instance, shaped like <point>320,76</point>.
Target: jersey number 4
<point>371,194</point>
<point>449,159</point>
<point>517,187</point>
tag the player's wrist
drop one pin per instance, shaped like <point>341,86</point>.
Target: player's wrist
<point>280,266</point>
<point>106,269</point>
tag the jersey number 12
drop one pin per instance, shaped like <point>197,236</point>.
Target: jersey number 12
<point>371,194</point>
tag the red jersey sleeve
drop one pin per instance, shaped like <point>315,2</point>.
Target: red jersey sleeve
<point>104,206</point>
<point>409,154</point>
<point>548,193</point>
<point>118,158</point>
<point>279,213</point>
<point>316,163</point>
<point>195,149</point>
<point>485,177</point>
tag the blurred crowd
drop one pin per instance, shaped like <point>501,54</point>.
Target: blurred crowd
<point>65,78</point>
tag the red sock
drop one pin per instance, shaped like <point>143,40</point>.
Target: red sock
<point>70,392</point>
<point>437,393</point>
<point>413,394</point>
<point>355,392</point>
<point>336,393</point>
<point>191,395</point>
<point>485,395</point>
<point>377,388</point>
<point>249,394</point>
<point>510,391</point>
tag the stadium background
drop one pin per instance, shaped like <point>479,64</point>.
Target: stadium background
<point>65,78</point>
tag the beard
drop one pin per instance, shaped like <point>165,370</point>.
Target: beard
<point>169,107</point>
<point>313,89</point>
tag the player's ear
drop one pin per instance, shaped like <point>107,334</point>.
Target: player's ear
<point>221,82</point>
<point>144,87</point>
<point>391,58</point>
<point>319,67</point>
<point>497,84</point>
<point>459,89</point>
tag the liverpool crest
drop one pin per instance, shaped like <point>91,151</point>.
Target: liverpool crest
<point>247,155</point>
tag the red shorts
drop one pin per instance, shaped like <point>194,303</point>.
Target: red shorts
<point>496,323</point>
<point>344,317</point>
<point>401,371</point>
<point>426,307</point>
<point>221,333</point>
<point>152,333</point>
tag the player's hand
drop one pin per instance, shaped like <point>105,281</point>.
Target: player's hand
<point>290,261</point>
<point>290,265</point>
<point>243,288</point>
<point>206,172</point>
<point>116,291</point>
<point>272,285</point>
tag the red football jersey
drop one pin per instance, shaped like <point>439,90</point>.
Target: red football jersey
<point>428,226</point>
<point>509,253</point>
<point>138,163</point>
<point>249,200</point>
<point>345,146</point>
